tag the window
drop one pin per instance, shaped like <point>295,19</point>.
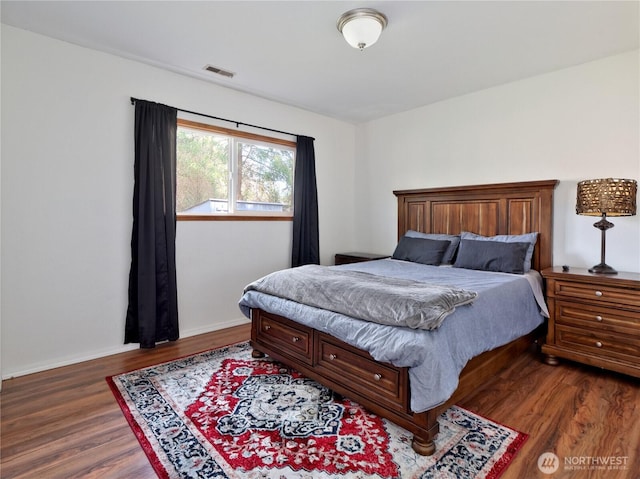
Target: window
<point>227,174</point>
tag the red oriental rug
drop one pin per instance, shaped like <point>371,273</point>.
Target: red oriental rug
<point>223,414</point>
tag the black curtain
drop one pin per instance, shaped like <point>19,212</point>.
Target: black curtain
<point>152,314</point>
<point>306,239</point>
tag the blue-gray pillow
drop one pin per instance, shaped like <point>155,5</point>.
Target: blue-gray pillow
<point>498,256</point>
<point>420,250</point>
<point>449,255</point>
<point>529,238</point>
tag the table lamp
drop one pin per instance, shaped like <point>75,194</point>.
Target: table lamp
<point>606,197</point>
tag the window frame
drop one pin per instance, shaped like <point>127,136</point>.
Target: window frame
<point>236,216</point>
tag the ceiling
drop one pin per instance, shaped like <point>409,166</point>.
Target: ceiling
<point>292,52</point>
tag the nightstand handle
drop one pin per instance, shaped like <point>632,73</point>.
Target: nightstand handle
<point>598,344</point>
<point>598,318</point>
<point>598,293</point>
<point>377,376</point>
<point>295,339</point>
<point>332,357</point>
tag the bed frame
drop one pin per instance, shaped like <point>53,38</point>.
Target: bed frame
<point>507,208</point>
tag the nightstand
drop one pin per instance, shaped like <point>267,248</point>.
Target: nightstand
<point>594,319</point>
<point>346,258</point>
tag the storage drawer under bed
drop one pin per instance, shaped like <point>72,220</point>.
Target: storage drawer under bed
<point>359,371</point>
<point>294,339</point>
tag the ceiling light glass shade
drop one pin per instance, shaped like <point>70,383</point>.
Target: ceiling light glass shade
<point>362,27</point>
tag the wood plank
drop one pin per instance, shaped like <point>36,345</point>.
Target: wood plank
<point>65,423</point>
<point>572,410</point>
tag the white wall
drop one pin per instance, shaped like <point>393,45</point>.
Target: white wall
<point>67,185</point>
<point>574,124</point>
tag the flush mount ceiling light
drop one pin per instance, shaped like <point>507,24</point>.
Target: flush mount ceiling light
<point>361,27</point>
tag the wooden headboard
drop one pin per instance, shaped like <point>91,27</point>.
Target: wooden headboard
<point>503,208</point>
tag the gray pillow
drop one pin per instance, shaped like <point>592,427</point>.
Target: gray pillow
<point>420,250</point>
<point>498,256</point>
<point>448,256</point>
<point>529,238</point>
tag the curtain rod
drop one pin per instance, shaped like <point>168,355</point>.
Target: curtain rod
<point>238,123</point>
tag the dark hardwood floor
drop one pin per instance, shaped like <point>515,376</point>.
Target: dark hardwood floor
<point>65,423</point>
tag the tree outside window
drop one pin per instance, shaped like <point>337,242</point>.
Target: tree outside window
<point>223,172</point>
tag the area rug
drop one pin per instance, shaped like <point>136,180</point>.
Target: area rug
<point>223,414</point>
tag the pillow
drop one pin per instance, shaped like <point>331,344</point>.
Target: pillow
<point>496,256</point>
<point>451,250</point>
<point>530,238</point>
<point>420,250</point>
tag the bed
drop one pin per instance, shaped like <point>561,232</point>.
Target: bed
<point>351,365</point>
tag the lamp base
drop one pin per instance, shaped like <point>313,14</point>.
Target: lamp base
<point>602,268</point>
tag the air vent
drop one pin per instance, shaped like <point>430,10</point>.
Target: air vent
<point>219,71</point>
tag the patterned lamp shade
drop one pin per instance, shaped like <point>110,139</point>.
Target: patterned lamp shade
<point>610,196</point>
<point>606,197</point>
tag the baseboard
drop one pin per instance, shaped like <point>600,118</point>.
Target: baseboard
<point>124,348</point>
<point>67,362</point>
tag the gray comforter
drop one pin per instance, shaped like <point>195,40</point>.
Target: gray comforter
<point>381,299</point>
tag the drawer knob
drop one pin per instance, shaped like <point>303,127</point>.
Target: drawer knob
<point>295,339</point>
<point>333,357</point>
<point>598,318</point>
<point>598,293</point>
<point>267,327</point>
<point>377,377</point>
<point>598,344</point>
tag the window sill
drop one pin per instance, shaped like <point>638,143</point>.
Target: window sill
<point>180,217</point>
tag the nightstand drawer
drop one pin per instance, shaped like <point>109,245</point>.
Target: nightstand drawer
<point>604,319</point>
<point>620,297</point>
<point>603,343</point>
